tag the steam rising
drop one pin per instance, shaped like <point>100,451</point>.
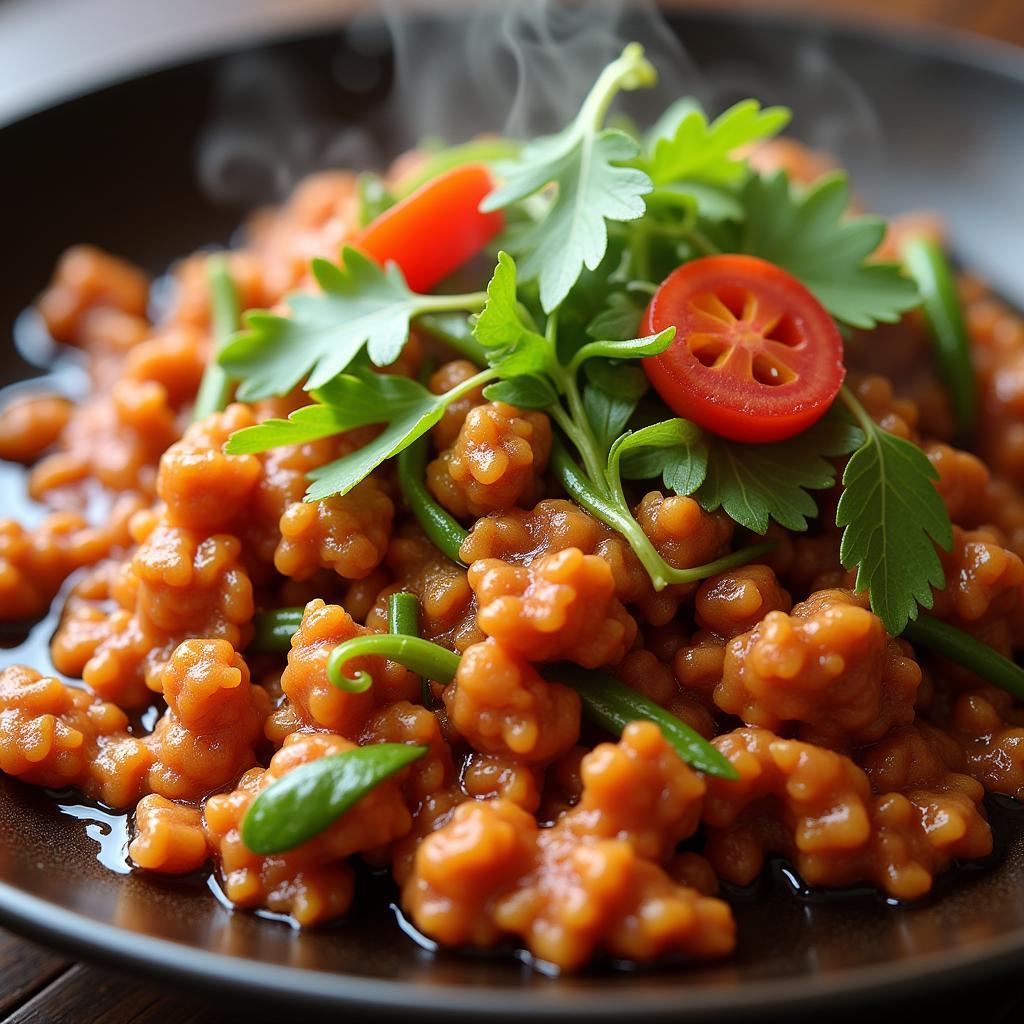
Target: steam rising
<point>517,66</point>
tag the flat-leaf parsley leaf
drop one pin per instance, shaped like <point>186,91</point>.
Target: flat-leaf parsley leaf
<point>893,517</point>
<point>809,235</point>
<point>360,304</point>
<point>584,163</point>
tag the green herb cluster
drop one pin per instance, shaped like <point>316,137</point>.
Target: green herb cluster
<point>596,218</point>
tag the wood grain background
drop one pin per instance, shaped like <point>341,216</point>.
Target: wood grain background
<point>43,52</point>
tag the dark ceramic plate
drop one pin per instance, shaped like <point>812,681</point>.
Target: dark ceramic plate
<point>921,122</point>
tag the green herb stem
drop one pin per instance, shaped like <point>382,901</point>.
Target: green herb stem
<point>944,315</point>
<point>423,657</point>
<point>215,387</point>
<point>441,528</point>
<point>964,649</point>
<point>630,71</point>
<point>274,629</point>
<point>612,705</point>
<point>618,517</point>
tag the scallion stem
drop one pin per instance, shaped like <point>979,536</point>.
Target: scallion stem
<point>964,649</point>
<point>215,387</point>
<point>929,267</point>
<point>274,630</point>
<point>404,620</point>
<point>441,528</point>
<point>612,705</point>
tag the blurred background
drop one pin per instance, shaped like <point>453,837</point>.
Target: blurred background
<point>53,48</point>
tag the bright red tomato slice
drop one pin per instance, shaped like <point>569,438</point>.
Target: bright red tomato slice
<point>756,357</point>
<point>436,229</point>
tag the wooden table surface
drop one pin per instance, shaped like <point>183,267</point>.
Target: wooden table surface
<point>40,987</point>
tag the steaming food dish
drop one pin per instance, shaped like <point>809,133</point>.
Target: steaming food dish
<point>609,586</point>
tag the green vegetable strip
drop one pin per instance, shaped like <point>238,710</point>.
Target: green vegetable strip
<point>215,387</point>
<point>930,269</point>
<point>422,656</point>
<point>440,527</point>
<point>606,702</point>
<point>309,799</point>
<point>404,620</point>
<point>662,574</point>
<point>274,630</point>
<point>965,650</point>
<point>613,705</point>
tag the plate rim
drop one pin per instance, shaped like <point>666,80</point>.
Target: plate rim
<point>165,961</point>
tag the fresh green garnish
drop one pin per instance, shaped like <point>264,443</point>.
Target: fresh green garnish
<point>753,483</point>
<point>586,165</point>
<point>893,518</point>
<point>359,305</point>
<point>606,701</point>
<point>404,620</point>
<point>945,318</point>
<point>612,705</point>
<point>358,399</point>
<point>309,799</point>
<point>215,387</point>
<point>441,528</point>
<point>975,655</point>
<point>273,630</point>
<point>700,150</point>
<point>811,236</point>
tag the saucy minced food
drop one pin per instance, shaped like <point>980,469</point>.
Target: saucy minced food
<point>857,756</point>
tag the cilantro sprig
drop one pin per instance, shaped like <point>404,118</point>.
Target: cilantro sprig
<point>810,235</point>
<point>597,219</point>
<point>585,166</point>
<point>753,483</point>
<point>359,305</point>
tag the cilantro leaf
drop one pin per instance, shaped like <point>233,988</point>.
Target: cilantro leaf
<point>809,236</point>
<point>359,304</point>
<point>526,392</point>
<point>620,318</point>
<point>355,399</point>
<point>704,151</point>
<point>892,514</point>
<point>607,414</point>
<point>682,464</point>
<point>670,435</point>
<point>584,164</point>
<point>510,345</point>
<point>622,379</point>
<point>755,483</point>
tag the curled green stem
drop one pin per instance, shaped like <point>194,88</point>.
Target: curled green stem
<point>965,650</point>
<point>606,702</point>
<point>274,629</point>
<point>443,530</point>
<point>612,514</point>
<point>421,656</point>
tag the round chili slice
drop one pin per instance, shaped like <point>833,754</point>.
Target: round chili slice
<point>756,357</point>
